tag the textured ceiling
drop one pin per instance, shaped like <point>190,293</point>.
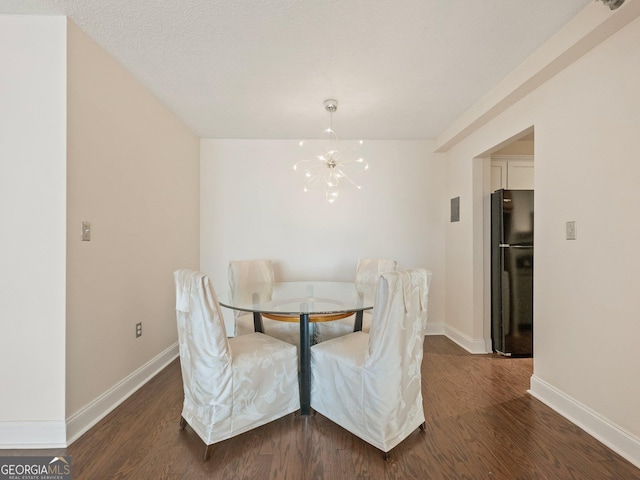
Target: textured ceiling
<point>262,68</point>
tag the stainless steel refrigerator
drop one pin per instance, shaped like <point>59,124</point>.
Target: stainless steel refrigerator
<point>512,272</point>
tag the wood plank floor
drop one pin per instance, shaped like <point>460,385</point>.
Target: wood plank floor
<point>480,424</point>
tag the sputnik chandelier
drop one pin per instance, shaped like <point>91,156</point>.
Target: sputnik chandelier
<point>329,168</point>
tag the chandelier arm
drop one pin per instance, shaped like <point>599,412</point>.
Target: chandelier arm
<point>348,178</point>
<point>313,177</point>
<point>313,162</point>
<point>311,183</point>
<point>356,146</point>
<point>360,162</point>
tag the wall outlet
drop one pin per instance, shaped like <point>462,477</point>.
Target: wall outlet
<point>138,329</point>
<point>571,230</point>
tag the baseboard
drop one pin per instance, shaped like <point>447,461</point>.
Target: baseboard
<point>617,439</point>
<point>46,434</point>
<point>469,344</point>
<point>84,419</point>
<point>435,329</point>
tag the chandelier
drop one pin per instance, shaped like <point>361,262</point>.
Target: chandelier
<point>330,167</point>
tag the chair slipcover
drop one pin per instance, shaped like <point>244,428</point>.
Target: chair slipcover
<point>370,384</point>
<point>230,385</point>
<point>368,272</point>
<point>244,273</point>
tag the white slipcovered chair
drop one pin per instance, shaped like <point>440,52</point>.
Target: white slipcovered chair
<point>370,383</point>
<point>368,272</point>
<point>230,385</point>
<point>244,273</point>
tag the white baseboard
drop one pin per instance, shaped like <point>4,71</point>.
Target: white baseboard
<point>84,419</point>
<point>435,329</point>
<point>617,439</point>
<point>45,434</point>
<point>469,344</point>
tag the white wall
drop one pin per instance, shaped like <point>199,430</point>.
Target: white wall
<point>253,206</point>
<point>586,320</point>
<point>586,301</point>
<point>133,172</point>
<point>80,139</point>
<point>32,230</point>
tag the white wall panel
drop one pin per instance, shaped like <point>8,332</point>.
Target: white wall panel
<point>32,230</point>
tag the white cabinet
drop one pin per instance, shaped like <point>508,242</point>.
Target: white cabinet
<point>498,174</point>
<point>514,172</point>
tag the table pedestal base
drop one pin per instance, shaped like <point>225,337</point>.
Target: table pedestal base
<point>305,366</point>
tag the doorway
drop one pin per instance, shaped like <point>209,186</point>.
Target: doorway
<point>509,165</point>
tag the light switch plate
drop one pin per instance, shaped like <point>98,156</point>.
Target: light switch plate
<point>571,230</point>
<point>86,231</point>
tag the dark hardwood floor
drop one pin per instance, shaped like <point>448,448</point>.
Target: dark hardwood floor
<point>480,424</point>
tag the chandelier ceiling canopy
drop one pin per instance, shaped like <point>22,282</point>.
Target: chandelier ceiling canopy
<point>613,4</point>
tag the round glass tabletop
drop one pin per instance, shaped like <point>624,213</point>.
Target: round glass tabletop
<point>295,298</point>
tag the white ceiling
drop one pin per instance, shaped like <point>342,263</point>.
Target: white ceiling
<point>399,69</point>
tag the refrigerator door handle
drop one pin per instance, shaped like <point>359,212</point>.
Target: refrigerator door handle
<point>506,245</point>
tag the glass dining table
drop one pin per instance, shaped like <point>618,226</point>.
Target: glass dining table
<point>306,303</point>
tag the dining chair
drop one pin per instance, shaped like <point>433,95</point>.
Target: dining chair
<point>231,385</point>
<point>244,273</point>
<point>370,383</point>
<point>368,272</point>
